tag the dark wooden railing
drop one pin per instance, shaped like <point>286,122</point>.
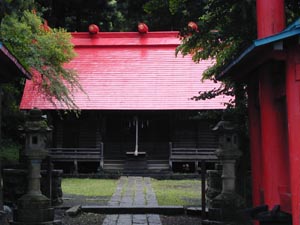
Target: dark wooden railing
<point>187,154</point>
<point>77,154</point>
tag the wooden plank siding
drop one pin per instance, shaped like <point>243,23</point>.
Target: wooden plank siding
<point>154,150</point>
<point>79,154</point>
<point>114,135</point>
<point>119,137</point>
<point>76,155</point>
<point>195,155</point>
<point>193,134</point>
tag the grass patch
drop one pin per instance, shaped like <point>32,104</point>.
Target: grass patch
<point>177,192</point>
<point>89,187</point>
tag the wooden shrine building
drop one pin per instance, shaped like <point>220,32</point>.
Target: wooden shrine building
<point>137,104</point>
<point>271,69</point>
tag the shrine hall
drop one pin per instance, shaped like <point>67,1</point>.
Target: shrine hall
<point>137,103</point>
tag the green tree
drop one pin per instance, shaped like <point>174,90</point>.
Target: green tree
<point>43,51</point>
<point>121,15</point>
<point>172,14</point>
<point>15,6</point>
<point>77,15</point>
<point>225,28</point>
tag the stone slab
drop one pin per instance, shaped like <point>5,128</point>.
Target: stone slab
<point>195,211</point>
<point>74,211</point>
<point>163,210</point>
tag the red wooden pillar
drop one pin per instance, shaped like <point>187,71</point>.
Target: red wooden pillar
<point>293,115</point>
<point>273,143</point>
<point>270,17</point>
<point>255,142</point>
<point>270,20</point>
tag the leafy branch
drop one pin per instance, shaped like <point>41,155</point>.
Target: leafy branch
<point>43,51</point>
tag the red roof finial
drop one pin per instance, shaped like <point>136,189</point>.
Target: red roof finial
<point>193,26</point>
<point>143,28</point>
<point>93,29</point>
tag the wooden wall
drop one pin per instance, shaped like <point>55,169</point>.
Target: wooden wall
<point>117,132</point>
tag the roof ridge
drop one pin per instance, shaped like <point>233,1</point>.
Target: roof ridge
<point>166,38</point>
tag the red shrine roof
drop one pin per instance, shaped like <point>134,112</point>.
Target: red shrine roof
<point>132,71</point>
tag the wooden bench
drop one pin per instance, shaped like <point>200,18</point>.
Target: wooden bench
<point>187,154</point>
<point>76,155</point>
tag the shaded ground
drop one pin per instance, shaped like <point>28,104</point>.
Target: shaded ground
<point>97,219</point>
<point>93,219</point>
<point>70,200</point>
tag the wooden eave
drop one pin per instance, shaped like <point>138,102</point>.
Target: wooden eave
<point>260,52</point>
<point>10,66</point>
<point>245,68</point>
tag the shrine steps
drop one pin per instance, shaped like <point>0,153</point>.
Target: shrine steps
<point>137,166</point>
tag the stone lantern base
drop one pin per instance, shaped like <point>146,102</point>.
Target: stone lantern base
<point>228,199</point>
<point>226,206</point>
<point>34,209</point>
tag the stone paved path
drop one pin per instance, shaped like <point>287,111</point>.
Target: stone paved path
<point>133,191</point>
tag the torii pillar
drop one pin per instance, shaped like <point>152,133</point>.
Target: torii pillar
<point>293,120</point>
<point>267,140</point>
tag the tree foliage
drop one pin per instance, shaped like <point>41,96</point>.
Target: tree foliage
<point>121,15</point>
<point>172,14</point>
<point>225,28</point>
<point>77,15</point>
<point>43,51</point>
<point>8,7</point>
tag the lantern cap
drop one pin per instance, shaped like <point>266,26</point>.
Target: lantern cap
<point>35,122</point>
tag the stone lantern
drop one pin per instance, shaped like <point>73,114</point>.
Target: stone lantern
<point>34,207</point>
<point>228,202</point>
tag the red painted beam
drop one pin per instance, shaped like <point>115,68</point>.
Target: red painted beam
<point>270,17</point>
